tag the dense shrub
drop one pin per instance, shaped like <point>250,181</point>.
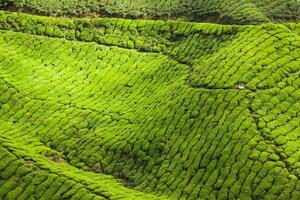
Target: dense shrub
<point>227,11</point>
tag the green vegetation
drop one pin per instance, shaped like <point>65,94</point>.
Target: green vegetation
<point>109,108</point>
<point>220,11</point>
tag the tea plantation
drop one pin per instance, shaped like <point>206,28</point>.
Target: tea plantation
<point>221,11</point>
<point>115,108</point>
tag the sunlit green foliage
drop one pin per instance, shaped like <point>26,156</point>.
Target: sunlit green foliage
<point>180,110</point>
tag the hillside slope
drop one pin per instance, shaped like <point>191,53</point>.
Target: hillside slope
<point>216,11</point>
<point>176,110</point>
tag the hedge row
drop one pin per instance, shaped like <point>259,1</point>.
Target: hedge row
<point>259,58</point>
<point>30,170</point>
<point>144,35</point>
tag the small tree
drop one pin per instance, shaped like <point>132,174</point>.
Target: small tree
<point>3,3</point>
<point>8,3</point>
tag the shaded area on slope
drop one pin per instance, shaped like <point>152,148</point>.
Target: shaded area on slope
<point>31,173</point>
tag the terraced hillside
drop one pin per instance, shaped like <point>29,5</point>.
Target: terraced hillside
<point>218,11</point>
<point>137,109</point>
